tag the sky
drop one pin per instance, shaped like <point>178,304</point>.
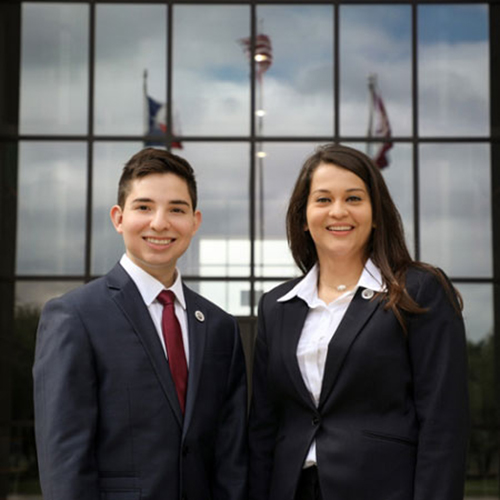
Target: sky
<point>211,95</point>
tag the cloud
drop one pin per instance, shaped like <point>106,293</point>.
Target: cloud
<point>211,91</point>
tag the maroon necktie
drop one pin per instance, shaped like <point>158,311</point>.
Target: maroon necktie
<point>175,347</point>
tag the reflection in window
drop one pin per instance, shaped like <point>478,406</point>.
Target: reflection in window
<point>51,208</point>
<point>482,465</point>
<point>276,174</point>
<point>398,176</point>
<point>130,39</point>
<point>375,40</point>
<point>30,298</point>
<point>296,92</point>
<point>221,246</point>
<point>453,70</point>
<point>211,88</point>
<point>232,296</point>
<point>455,208</point>
<point>109,160</point>
<point>54,68</point>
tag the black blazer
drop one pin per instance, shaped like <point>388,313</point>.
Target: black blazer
<point>107,418</point>
<point>392,421</point>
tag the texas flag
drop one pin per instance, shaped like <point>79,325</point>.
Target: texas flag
<point>157,122</point>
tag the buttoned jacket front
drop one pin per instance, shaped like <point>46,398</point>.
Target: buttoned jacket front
<point>108,422</point>
<point>392,420</point>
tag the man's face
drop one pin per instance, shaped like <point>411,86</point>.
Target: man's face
<point>157,223</point>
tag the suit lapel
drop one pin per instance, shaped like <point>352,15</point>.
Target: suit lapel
<point>357,314</point>
<point>127,297</point>
<point>294,314</point>
<point>197,327</point>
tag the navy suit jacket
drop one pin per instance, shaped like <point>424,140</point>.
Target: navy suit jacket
<point>107,419</point>
<point>392,421</point>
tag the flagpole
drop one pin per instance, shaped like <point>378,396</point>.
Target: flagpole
<point>259,51</point>
<point>260,158</point>
<point>260,129</point>
<point>145,101</point>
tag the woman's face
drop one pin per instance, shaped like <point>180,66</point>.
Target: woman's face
<point>338,213</point>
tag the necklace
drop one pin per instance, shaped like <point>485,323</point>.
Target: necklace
<point>341,288</point>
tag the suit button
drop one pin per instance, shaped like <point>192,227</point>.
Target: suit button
<point>315,420</point>
<point>185,450</point>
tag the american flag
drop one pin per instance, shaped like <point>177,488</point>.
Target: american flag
<point>263,52</point>
<point>379,125</point>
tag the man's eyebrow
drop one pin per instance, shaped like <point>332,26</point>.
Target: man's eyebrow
<point>171,202</point>
<point>142,200</point>
<point>179,202</point>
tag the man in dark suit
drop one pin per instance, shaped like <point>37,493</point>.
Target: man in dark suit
<point>114,419</point>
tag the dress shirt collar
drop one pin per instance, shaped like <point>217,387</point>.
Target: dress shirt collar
<point>149,287</point>
<point>307,288</point>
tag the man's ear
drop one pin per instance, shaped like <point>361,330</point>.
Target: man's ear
<point>197,220</point>
<point>116,215</point>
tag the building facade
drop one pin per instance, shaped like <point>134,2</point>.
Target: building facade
<point>245,91</point>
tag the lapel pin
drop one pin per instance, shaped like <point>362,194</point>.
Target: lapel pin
<point>367,293</point>
<point>199,316</point>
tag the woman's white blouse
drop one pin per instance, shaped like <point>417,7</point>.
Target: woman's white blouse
<point>320,326</point>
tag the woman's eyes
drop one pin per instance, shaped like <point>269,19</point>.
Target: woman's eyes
<point>350,199</point>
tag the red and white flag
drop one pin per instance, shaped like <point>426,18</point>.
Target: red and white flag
<point>263,52</point>
<point>379,125</point>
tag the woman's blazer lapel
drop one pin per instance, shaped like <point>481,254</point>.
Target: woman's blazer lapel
<point>358,313</point>
<point>294,313</point>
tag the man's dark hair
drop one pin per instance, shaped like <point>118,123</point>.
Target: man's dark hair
<point>155,161</point>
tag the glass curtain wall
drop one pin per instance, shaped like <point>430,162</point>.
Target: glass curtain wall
<point>245,91</point>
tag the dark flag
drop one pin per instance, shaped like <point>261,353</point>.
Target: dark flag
<point>378,125</point>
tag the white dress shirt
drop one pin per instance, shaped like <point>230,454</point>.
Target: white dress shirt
<point>320,326</point>
<point>149,288</point>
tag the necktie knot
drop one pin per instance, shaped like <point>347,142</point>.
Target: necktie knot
<point>166,297</point>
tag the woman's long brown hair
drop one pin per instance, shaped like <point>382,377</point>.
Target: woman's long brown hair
<point>386,246</point>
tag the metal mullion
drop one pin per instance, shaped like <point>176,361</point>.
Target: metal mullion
<point>336,72</point>
<point>252,177</point>
<point>90,125</point>
<point>415,152</point>
<point>245,138</point>
<point>494,38</point>
<point>54,277</point>
<point>169,56</point>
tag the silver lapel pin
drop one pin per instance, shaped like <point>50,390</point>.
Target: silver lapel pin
<point>367,293</point>
<point>199,316</point>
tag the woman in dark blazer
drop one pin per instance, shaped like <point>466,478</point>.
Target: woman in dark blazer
<point>360,384</point>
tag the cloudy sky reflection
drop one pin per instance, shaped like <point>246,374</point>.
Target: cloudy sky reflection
<point>211,94</point>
